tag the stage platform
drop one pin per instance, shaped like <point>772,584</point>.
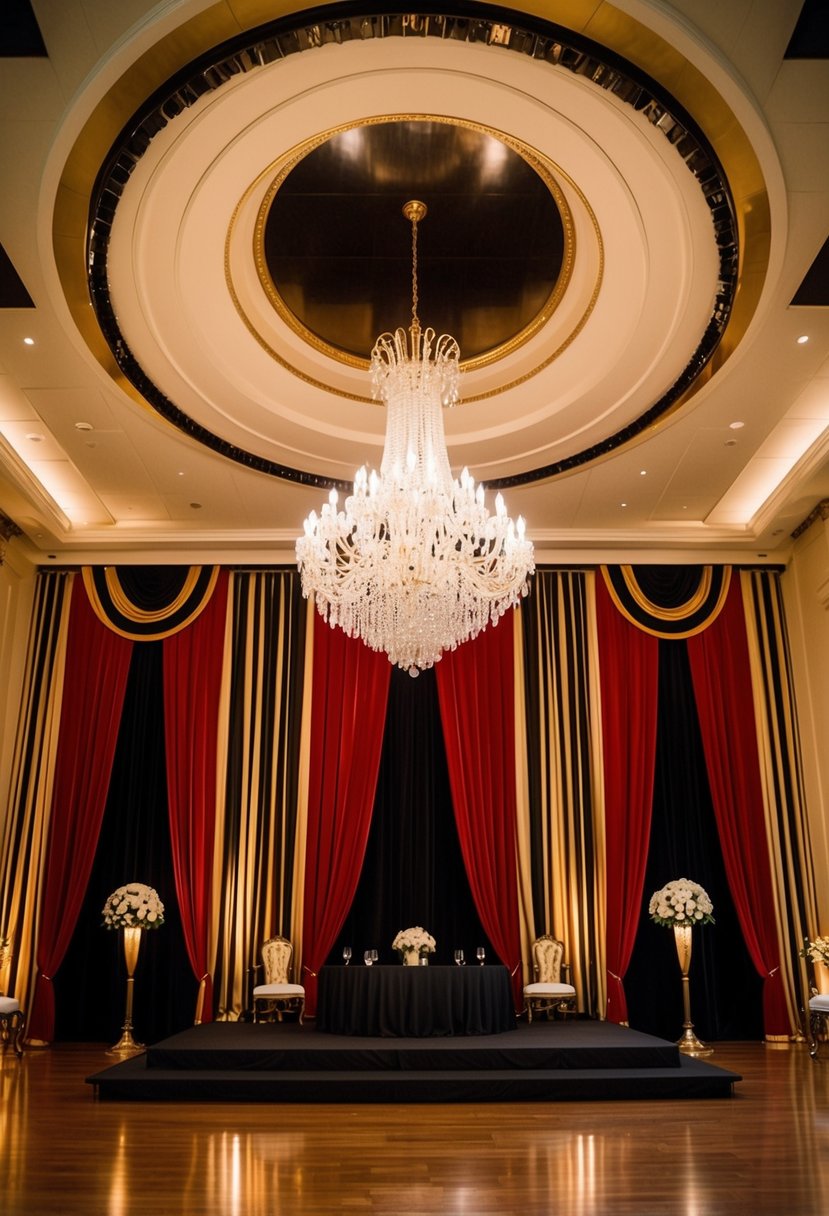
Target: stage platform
<point>287,1063</point>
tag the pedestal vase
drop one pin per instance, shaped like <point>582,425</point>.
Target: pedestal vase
<point>126,1045</point>
<point>688,1043</point>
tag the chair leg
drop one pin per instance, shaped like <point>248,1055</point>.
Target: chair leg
<point>12,1030</point>
<point>817,1021</point>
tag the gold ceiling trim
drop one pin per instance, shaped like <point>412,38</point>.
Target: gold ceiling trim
<point>601,21</point>
<point>529,155</point>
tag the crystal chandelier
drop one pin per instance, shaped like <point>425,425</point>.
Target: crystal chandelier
<point>414,564</point>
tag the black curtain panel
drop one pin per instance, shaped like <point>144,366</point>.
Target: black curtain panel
<point>726,992</point>
<point>413,873</point>
<point>134,845</point>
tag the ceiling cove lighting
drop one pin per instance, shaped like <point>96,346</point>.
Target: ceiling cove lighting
<point>414,564</point>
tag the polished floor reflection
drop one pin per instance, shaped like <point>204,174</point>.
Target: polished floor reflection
<point>764,1151</point>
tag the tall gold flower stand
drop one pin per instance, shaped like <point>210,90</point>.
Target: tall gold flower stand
<point>126,1045</point>
<point>688,1043</point>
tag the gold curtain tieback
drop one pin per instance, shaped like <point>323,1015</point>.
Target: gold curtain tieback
<point>614,976</point>
<point>310,972</point>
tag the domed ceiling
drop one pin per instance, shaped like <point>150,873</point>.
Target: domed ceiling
<point>247,244</point>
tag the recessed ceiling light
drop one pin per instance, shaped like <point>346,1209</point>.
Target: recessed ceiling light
<point>803,339</point>
<point>643,472</point>
<point>731,443</point>
<point>622,504</point>
<point>34,437</point>
<point>83,426</point>
<point>28,341</point>
<point>736,426</point>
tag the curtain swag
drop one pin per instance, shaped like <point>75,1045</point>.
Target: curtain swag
<point>668,602</point>
<point>148,604</point>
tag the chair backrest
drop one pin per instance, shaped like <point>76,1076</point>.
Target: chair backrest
<point>548,953</point>
<point>277,953</point>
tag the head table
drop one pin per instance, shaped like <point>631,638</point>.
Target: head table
<point>416,1002</point>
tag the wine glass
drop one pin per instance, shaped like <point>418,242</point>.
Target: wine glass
<point>459,958</point>
<point>346,955</point>
<point>480,954</point>
<point>367,959</point>
<point>374,956</point>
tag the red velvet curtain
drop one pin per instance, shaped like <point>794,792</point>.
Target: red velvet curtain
<point>721,673</point>
<point>476,694</point>
<point>95,678</point>
<point>629,674</point>
<point>348,710</point>
<point>192,682</point>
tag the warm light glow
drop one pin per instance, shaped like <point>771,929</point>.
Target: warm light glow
<point>803,339</point>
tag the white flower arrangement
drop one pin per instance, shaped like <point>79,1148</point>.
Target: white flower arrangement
<point>134,906</point>
<point>415,938</point>
<point>681,902</point>
<point>817,951</point>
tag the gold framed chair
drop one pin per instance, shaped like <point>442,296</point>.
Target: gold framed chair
<point>549,992</point>
<point>277,995</point>
<point>12,1017</point>
<point>818,1023</point>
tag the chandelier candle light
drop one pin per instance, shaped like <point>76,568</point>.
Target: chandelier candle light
<point>414,564</point>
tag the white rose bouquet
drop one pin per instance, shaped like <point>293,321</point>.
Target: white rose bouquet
<point>817,951</point>
<point>414,939</point>
<point>681,902</point>
<point>135,906</point>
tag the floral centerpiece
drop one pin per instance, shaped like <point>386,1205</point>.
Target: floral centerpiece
<point>413,944</point>
<point>817,950</point>
<point>134,906</point>
<point>681,902</point>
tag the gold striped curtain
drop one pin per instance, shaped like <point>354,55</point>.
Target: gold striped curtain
<point>778,743</point>
<point>23,846</point>
<point>258,821</point>
<point>560,793</point>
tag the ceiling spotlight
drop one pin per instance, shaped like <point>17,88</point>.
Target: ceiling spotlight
<point>736,426</point>
<point>28,341</point>
<point>34,437</point>
<point>803,339</point>
<point>83,426</point>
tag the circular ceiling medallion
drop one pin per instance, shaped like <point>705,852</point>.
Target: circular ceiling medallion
<point>494,258</point>
<point>245,246</point>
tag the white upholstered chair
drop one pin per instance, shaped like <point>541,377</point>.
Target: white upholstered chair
<point>12,1024</point>
<point>12,1017</point>
<point>818,1021</point>
<point>277,994</point>
<point>549,991</point>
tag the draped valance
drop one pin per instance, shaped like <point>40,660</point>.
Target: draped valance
<point>149,603</point>
<point>668,601</point>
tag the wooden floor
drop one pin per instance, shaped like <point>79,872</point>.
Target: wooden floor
<point>764,1151</point>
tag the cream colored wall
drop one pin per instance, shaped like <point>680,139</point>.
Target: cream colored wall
<point>806,596</point>
<point>17,584</point>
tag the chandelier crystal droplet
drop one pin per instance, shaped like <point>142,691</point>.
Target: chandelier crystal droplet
<point>414,564</point>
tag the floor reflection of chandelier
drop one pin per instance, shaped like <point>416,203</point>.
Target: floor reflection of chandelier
<point>414,564</point>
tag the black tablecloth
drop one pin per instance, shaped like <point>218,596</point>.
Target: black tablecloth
<point>415,1001</point>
